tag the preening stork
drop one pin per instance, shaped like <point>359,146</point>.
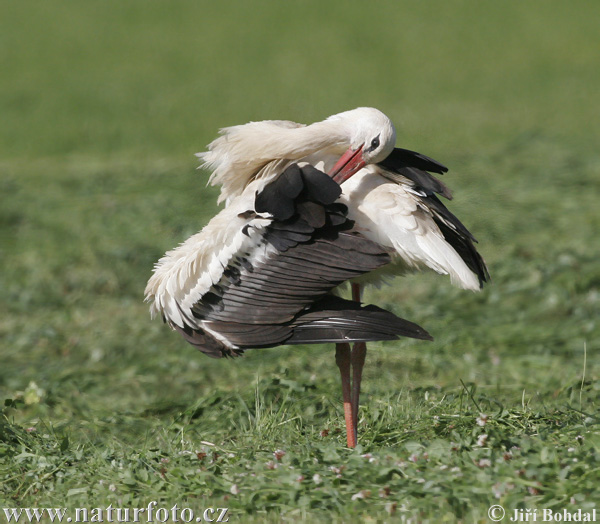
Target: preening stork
<point>264,271</point>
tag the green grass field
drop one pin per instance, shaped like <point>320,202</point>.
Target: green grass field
<point>102,106</point>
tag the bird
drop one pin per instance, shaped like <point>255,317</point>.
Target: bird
<point>307,209</point>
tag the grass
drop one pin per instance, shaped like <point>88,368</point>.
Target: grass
<point>103,105</point>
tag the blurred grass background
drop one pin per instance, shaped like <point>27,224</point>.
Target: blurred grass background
<point>102,106</point>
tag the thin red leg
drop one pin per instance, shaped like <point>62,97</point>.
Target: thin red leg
<point>342,359</point>
<point>359,353</point>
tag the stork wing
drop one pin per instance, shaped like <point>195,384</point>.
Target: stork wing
<point>415,167</point>
<point>276,292</point>
<point>334,319</point>
<point>403,164</point>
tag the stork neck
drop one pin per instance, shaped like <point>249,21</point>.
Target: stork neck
<point>320,136</point>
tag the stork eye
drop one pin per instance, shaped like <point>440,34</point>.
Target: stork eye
<point>374,143</point>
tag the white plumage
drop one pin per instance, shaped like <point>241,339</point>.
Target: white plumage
<point>393,215</point>
<point>262,149</point>
<point>183,275</point>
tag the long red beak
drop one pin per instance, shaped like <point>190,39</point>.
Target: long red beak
<point>348,164</point>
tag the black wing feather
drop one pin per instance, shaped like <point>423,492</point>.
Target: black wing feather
<point>414,166</point>
<point>406,157</point>
<point>323,323</point>
<point>278,197</point>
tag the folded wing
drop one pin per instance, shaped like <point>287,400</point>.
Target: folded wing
<point>276,290</point>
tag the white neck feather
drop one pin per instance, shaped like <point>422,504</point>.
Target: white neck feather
<point>242,152</point>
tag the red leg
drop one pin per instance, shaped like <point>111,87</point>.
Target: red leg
<point>342,359</point>
<point>359,353</point>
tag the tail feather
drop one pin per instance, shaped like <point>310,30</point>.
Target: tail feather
<point>338,320</point>
<point>331,320</point>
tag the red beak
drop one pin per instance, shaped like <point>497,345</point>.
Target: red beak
<point>348,164</point>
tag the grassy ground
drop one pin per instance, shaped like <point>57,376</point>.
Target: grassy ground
<point>103,105</point>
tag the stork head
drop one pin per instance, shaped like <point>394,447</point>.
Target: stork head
<point>371,137</point>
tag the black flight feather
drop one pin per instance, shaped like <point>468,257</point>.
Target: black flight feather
<point>334,319</point>
<point>278,197</point>
<point>414,166</point>
<point>405,157</point>
<point>320,188</point>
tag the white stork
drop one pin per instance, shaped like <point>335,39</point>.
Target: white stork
<point>263,272</point>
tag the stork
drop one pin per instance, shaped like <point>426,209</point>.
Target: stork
<point>264,271</point>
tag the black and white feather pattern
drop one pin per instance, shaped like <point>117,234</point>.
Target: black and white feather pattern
<point>276,270</point>
<point>415,166</point>
<point>395,203</point>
